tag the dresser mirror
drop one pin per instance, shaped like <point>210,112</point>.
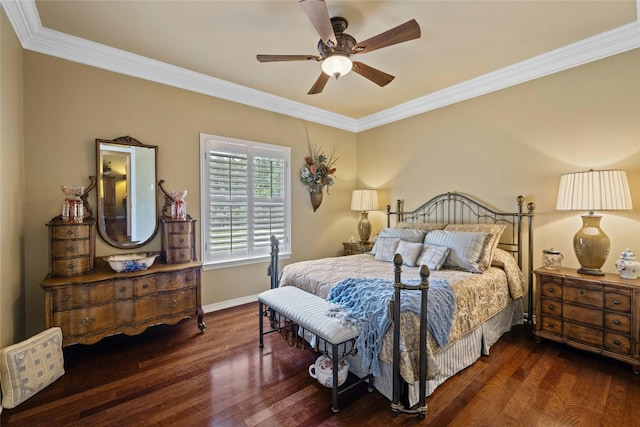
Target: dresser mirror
<point>127,200</point>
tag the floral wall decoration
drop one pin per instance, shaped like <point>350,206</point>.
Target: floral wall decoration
<point>317,172</point>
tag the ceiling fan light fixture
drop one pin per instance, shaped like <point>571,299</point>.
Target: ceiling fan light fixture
<point>337,65</point>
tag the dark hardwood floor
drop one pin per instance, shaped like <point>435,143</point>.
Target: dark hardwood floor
<point>175,376</point>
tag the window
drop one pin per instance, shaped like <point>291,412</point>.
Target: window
<point>245,200</point>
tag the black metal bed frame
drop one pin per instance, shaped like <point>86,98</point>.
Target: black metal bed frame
<point>449,208</point>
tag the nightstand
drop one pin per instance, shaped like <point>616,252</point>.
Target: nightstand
<point>357,248</point>
<point>600,314</point>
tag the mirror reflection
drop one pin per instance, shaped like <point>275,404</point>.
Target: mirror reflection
<point>127,209</point>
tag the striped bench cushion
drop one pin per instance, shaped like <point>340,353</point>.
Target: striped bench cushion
<point>308,311</point>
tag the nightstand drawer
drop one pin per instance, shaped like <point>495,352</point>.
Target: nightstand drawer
<point>583,296</point>
<point>551,290</point>
<point>585,334</point>
<point>590,316</point>
<point>617,322</point>
<point>617,302</point>
<point>550,306</point>
<point>617,343</point>
<point>551,324</point>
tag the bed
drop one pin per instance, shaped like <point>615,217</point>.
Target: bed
<point>477,276</point>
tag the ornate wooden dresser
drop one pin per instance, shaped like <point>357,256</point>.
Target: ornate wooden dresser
<point>600,314</point>
<point>92,306</point>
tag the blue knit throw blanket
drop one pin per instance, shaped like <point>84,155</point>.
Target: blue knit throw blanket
<point>365,302</point>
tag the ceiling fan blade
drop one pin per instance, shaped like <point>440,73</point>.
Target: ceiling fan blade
<point>319,85</point>
<point>408,31</point>
<point>318,14</point>
<point>378,77</point>
<point>274,58</point>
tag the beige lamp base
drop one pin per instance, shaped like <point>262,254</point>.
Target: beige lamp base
<point>591,245</point>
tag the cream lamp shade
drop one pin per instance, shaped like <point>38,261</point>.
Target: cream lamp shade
<point>593,191</point>
<point>363,201</point>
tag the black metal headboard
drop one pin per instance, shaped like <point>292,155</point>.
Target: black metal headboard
<point>455,208</point>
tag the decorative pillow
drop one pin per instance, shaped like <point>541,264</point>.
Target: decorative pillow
<point>495,229</point>
<point>31,365</point>
<point>423,226</point>
<point>410,235</point>
<point>386,248</point>
<point>467,248</point>
<point>409,252</point>
<point>515,277</point>
<point>433,257</point>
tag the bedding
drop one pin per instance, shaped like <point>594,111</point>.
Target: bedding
<point>470,249</point>
<point>478,297</point>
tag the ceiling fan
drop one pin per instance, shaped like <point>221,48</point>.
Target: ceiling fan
<point>336,47</point>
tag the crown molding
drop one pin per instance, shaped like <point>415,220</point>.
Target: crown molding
<point>26,23</point>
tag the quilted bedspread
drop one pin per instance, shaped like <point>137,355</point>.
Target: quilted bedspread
<point>478,298</point>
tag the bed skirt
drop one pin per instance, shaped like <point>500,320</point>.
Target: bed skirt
<point>454,358</point>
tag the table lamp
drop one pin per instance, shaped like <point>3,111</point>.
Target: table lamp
<point>363,201</point>
<point>593,191</point>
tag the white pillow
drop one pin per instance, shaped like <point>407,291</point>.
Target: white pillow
<point>410,235</point>
<point>433,256</point>
<point>467,248</point>
<point>386,248</point>
<point>409,252</point>
<point>495,229</point>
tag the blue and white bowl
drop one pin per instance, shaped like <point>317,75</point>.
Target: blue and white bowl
<point>131,262</point>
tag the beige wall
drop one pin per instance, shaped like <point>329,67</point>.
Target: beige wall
<point>515,141</point>
<point>68,105</point>
<point>518,141</point>
<point>12,314</point>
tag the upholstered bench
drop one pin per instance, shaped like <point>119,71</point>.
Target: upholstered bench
<point>301,312</point>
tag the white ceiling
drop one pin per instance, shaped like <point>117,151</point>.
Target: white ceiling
<point>467,48</point>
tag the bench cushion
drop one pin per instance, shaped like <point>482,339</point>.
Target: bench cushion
<point>308,311</point>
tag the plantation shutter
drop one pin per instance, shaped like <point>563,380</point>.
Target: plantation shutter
<point>247,201</point>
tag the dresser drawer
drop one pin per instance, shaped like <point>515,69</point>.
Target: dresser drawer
<point>617,343</point>
<point>180,240</point>
<point>551,324</point>
<point>81,296</point>
<point>178,227</point>
<point>70,231</point>
<point>166,305</point>
<point>71,266</point>
<point>584,334</point>
<point>590,316</point>
<point>179,255</point>
<point>617,322</point>
<point>164,282</point>
<point>70,248</point>
<point>584,296</point>
<point>83,321</point>
<point>617,302</point>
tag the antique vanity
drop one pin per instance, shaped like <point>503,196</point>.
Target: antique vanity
<point>83,295</point>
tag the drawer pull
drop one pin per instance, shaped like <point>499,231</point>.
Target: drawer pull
<point>123,289</point>
<point>616,302</point>
<point>581,292</point>
<point>69,232</point>
<point>87,321</point>
<point>145,286</point>
<point>616,322</point>
<point>71,249</point>
<point>181,240</point>
<point>551,290</point>
<point>552,307</point>
<point>616,342</point>
<point>550,324</point>
<point>173,304</point>
<point>67,297</point>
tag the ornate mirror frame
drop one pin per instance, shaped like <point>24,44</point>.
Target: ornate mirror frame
<point>127,208</point>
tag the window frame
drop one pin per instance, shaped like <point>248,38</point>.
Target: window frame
<point>208,259</point>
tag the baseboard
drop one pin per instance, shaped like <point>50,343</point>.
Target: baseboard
<point>209,308</point>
